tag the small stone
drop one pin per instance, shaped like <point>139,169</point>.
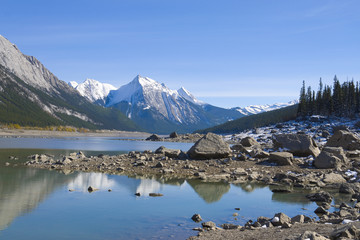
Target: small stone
<point>155,195</point>
<point>91,189</point>
<point>321,210</point>
<point>209,225</point>
<point>196,218</point>
<point>137,194</point>
<point>227,226</point>
<point>109,190</point>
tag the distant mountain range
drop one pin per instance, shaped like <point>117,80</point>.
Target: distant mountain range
<point>31,95</point>
<point>155,107</point>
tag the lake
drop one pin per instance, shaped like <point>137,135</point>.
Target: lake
<point>37,203</point>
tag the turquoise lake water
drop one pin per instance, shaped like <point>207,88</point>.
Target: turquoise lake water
<point>37,204</point>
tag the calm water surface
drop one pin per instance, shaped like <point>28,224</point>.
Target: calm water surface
<point>36,204</point>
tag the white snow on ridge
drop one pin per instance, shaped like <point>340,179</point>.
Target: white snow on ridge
<point>93,90</point>
<point>146,93</point>
<point>73,84</point>
<point>255,109</point>
<point>188,96</point>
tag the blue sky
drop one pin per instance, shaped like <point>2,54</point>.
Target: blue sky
<point>228,53</point>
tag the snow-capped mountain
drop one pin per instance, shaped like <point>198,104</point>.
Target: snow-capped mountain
<point>93,90</point>
<point>146,93</point>
<point>155,107</point>
<point>255,109</point>
<point>31,95</point>
<point>73,84</point>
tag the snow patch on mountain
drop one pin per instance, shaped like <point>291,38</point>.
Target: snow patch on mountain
<point>188,96</point>
<point>93,90</point>
<point>255,109</point>
<point>73,84</point>
<point>146,93</point>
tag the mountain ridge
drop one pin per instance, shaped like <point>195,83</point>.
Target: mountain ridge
<point>31,94</point>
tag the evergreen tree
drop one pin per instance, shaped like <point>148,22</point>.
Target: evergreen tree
<point>302,111</point>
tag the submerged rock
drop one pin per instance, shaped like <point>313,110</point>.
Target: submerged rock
<point>196,218</point>
<point>211,146</point>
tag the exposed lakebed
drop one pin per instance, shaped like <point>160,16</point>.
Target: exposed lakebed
<point>37,204</point>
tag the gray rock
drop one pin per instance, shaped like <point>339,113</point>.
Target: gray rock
<point>66,161</point>
<point>211,146</point>
<point>308,235</point>
<point>258,153</point>
<point>298,219</point>
<point>281,158</point>
<point>173,135</point>
<point>209,225</point>
<point>321,210</point>
<point>196,218</point>
<point>171,153</point>
<point>331,157</point>
<point>321,196</point>
<point>346,188</point>
<point>346,232</point>
<point>248,142</point>
<point>227,226</point>
<point>280,219</point>
<point>345,139</point>
<point>239,148</point>
<point>155,195</point>
<point>333,178</point>
<point>153,137</point>
<point>92,189</point>
<point>298,144</point>
<point>325,134</point>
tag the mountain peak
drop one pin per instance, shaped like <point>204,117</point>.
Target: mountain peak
<point>93,90</point>
<point>144,81</point>
<point>189,96</point>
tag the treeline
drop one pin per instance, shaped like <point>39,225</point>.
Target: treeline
<point>341,100</point>
<point>47,128</point>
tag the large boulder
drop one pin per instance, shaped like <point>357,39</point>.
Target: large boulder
<point>281,158</point>
<point>345,139</point>
<point>298,144</point>
<point>248,142</point>
<point>211,146</point>
<point>331,157</point>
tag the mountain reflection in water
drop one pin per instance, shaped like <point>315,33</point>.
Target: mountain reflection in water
<point>21,190</point>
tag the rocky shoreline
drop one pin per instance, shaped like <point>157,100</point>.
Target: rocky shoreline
<point>291,161</point>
